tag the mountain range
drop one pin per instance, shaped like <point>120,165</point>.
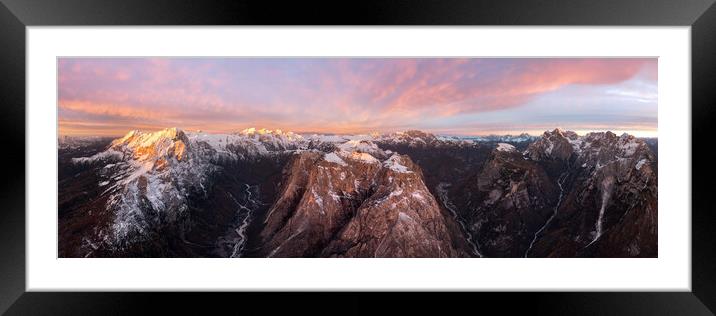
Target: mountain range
<point>270,193</point>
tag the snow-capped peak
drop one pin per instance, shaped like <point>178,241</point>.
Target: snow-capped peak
<point>149,172</point>
<point>274,139</point>
<point>251,131</point>
<point>169,142</point>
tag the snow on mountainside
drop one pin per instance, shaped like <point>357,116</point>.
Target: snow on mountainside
<point>395,163</point>
<point>148,177</point>
<point>274,139</point>
<point>505,147</point>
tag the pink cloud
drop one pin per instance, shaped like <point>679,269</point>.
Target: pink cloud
<point>510,89</point>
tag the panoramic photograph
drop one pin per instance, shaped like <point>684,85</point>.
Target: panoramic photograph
<point>357,157</point>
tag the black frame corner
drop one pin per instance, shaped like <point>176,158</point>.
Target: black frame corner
<point>16,15</point>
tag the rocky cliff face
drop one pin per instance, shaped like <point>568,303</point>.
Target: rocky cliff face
<point>351,204</point>
<point>610,206</point>
<point>509,199</point>
<point>564,196</point>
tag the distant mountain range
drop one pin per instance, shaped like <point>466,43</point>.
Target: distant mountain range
<point>270,193</point>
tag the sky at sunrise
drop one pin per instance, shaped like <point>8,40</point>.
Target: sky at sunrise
<point>451,96</point>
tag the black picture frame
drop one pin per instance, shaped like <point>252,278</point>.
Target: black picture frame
<point>15,15</point>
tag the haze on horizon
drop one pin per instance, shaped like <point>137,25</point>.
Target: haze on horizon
<point>447,96</point>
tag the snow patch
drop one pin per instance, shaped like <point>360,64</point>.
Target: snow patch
<point>505,147</point>
<point>404,217</point>
<point>640,164</point>
<point>395,163</point>
<point>326,138</point>
<point>359,149</point>
<point>332,157</point>
<point>629,148</point>
<point>359,145</point>
<point>397,192</point>
<point>362,157</point>
<point>319,200</point>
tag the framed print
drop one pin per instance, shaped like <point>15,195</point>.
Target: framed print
<point>471,147</point>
